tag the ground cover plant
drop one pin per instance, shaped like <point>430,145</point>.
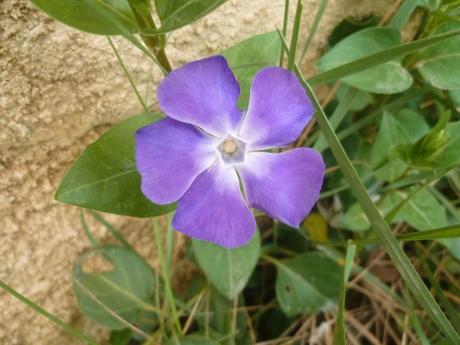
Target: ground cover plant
<point>311,220</point>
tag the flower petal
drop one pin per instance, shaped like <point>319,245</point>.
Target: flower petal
<point>284,185</point>
<point>279,109</point>
<point>169,156</point>
<point>203,93</point>
<point>214,210</point>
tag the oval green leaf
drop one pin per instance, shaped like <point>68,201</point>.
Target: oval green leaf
<point>386,78</point>
<point>105,177</point>
<point>114,297</point>
<point>307,283</point>
<point>94,16</point>
<point>227,269</point>
<point>439,64</point>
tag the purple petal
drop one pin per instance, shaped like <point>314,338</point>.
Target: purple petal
<point>203,93</point>
<point>214,210</point>
<point>279,109</point>
<point>284,185</point>
<point>169,156</point>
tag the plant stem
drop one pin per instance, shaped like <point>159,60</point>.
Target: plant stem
<point>154,43</point>
<point>58,322</point>
<point>125,70</point>
<point>166,276</point>
<point>285,24</point>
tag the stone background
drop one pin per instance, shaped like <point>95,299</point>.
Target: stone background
<point>59,90</point>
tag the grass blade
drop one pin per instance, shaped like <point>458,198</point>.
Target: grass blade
<point>54,319</point>
<point>112,230</point>
<point>88,232</point>
<point>452,231</point>
<point>285,25</point>
<point>339,330</point>
<point>376,59</point>
<point>314,27</point>
<point>401,261</point>
<point>131,81</point>
<point>295,36</point>
<point>402,16</point>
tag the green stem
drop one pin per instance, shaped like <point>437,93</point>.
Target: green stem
<point>166,276</point>
<point>54,319</point>
<point>285,25</point>
<point>125,70</point>
<point>295,36</point>
<point>154,43</point>
<point>314,27</point>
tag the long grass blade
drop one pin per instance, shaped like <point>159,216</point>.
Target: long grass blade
<point>112,230</point>
<point>54,319</point>
<point>314,27</point>
<point>128,76</point>
<point>402,16</point>
<point>379,58</point>
<point>339,330</point>
<point>285,26</point>
<point>295,36</point>
<point>452,231</point>
<point>88,232</point>
<point>401,261</point>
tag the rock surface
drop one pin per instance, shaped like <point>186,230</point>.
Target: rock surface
<point>59,90</point>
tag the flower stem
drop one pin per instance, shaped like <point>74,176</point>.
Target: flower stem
<point>176,327</point>
<point>154,43</point>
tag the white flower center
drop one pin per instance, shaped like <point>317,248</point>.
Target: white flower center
<point>232,150</point>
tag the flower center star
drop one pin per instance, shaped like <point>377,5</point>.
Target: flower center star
<point>232,150</point>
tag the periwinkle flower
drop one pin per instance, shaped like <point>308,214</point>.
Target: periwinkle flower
<point>206,146</point>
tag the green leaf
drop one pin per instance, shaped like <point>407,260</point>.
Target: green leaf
<point>227,269</point>
<point>355,219</point>
<point>177,13</point>
<point>450,156</point>
<point>249,56</point>
<point>405,128</point>
<point>376,59</point>
<point>423,212</point>
<point>85,15</point>
<point>455,97</point>
<point>430,4</point>
<point>105,177</point>
<point>339,329</point>
<point>120,337</point>
<point>113,297</point>
<point>389,77</point>
<point>439,64</point>
<point>307,283</point>
<point>192,340</point>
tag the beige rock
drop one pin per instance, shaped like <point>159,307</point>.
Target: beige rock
<point>59,90</point>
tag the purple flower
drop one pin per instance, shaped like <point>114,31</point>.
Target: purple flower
<point>206,146</point>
